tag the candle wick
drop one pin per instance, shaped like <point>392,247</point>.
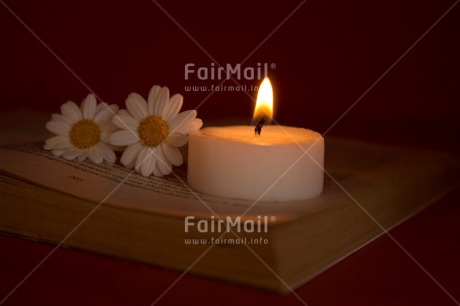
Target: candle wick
<point>259,125</point>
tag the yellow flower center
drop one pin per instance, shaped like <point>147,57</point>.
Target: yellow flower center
<point>84,134</point>
<point>153,130</point>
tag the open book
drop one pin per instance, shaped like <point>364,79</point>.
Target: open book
<point>112,210</point>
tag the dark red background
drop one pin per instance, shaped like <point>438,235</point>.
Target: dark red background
<point>327,54</point>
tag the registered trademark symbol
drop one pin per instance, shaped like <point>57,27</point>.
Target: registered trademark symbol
<point>273,66</point>
<point>273,218</point>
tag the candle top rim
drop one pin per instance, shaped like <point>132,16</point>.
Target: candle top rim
<point>271,135</point>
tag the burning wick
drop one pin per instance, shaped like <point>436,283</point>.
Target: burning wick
<point>259,125</point>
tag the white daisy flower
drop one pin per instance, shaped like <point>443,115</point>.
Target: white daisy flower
<point>83,131</point>
<point>153,131</point>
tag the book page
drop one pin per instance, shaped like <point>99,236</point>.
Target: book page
<point>118,186</point>
<point>363,170</point>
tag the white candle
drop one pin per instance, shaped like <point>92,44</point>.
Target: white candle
<point>271,163</point>
<point>234,162</point>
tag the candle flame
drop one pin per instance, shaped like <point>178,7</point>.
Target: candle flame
<point>264,104</point>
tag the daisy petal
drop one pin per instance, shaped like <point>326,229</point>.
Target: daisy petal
<point>123,138</point>
<point>172,154</point>
<point>105,137</point>
<point>198,123</point>
<point>58,152</point>
<point>187,126</point>
<point>164,165</point>
<point>71,154</point>
<point>83,156</point>
<point>126,122</point>
<point>141,159</point>
<point>153,95</point>
<point>95,154</point>
<point>58,128</point>
<point>88,107</point>
<point>160,102</point>
<point>106,114</point>
<point>57,142</point>
<point>130,154</point>
<point>123,112</point>
<point>182,118</point>
<point>191,126</point>
<point>108,127</point>
<point>59,117</point>
<point>100,106</point>
<point>130,165</point>
<point>173,107</point>
<point>106,130</point>
<point>149,163</point>
<point>137,106</point>
<point>109,155</point>
<point>71,111</point>
<point>176,139</point>
<point>156,171</point>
